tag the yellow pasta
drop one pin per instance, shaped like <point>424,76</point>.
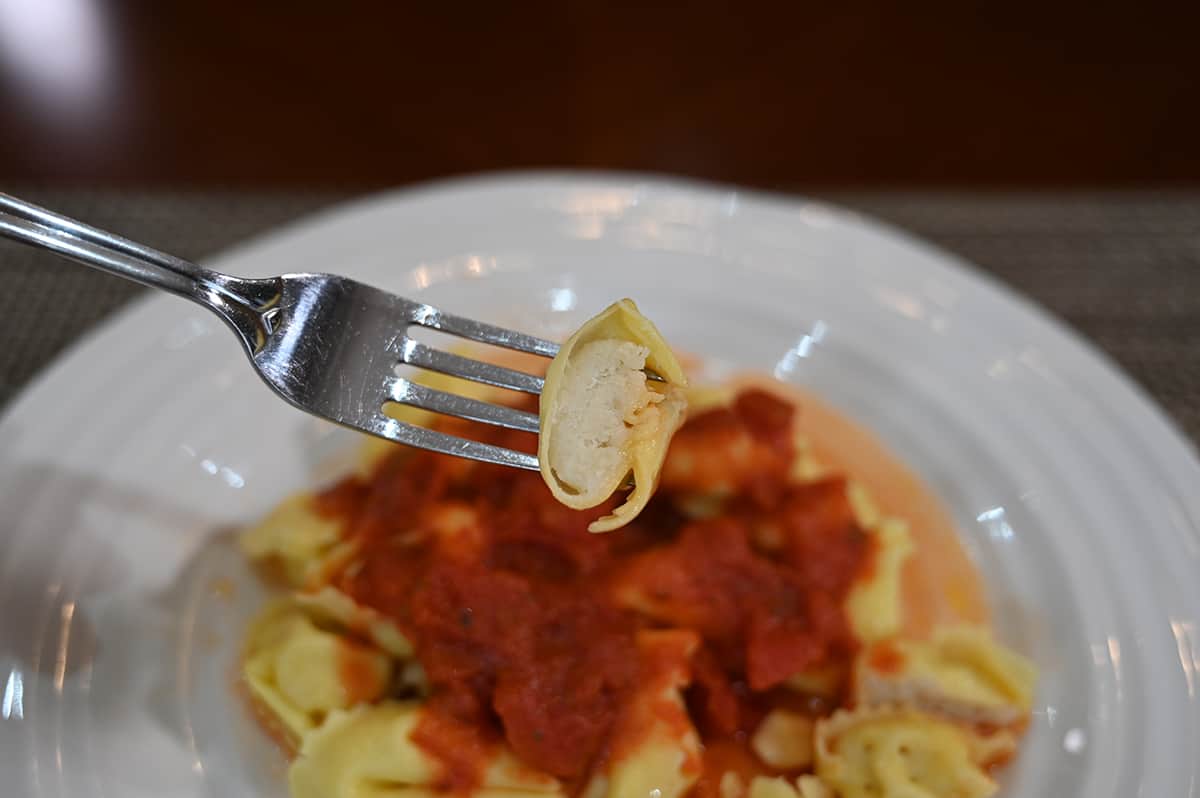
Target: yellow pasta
<point>810,786</point>
<point>890,752</point>
<point>863,504</point>
<point>708,397</point>
<point>666,761</point>
<point>806,786</point>
<point>341,680</point>
<point>764,787</point>
<point>332,606</point>
<point>731,785</point>
<point>294,537</point>
<point>368,752</point>
<point>601,418</point>
<point>824,680</point>
<point>806,466</point>
<point>874,606</point>
<point>962,672</point>
<point>784,740</point>
<point>296,670</point>
<point>375,449</point>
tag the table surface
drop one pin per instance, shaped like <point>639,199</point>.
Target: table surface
<point>1122,268</point>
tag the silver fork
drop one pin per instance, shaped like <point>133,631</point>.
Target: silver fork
<point>327,344</point>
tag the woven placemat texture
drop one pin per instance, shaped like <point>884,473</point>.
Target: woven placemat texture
<point>1122,268</point>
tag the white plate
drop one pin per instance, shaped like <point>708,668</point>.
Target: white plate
<point>123,468</point>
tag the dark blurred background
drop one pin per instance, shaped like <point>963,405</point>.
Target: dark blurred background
<point>1055,145</point>
<point>191,93</point>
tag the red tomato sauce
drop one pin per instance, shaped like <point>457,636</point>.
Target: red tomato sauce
<point>885,657</point>
<point>526,625</point>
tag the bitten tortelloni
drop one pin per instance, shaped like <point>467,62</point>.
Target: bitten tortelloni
<point>602,418</point>
<point>895,752</point>
<point>960,673</point>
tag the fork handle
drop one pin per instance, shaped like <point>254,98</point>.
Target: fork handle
<point>239,302</point>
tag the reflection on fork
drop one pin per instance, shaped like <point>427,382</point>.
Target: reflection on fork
<point>327,344</point>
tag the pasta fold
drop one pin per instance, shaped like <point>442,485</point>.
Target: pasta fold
<point>297,672</point>
<point>665,761</point>
<point>962,673</point>
<point>368,752</point>
<point>602,418</point>
<point>294,538</point>
<point>894,752</point>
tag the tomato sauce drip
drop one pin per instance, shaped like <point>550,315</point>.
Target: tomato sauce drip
<point>526,625</point>
<point>885,657</point>
<point>355,672</point>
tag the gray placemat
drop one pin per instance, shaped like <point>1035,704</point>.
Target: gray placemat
<point>1124,269</point>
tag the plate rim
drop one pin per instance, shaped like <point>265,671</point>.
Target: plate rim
<point>1081,366</point>
<point>1099,361</point>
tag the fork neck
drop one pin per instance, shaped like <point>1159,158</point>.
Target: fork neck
<point>244,304</point>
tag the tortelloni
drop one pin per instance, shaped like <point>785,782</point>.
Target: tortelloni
<point>452,630</point>
<point>333,607</point>
<point>893,752</point>
<point>294,540</point>
<point>783,740</point>
<point>961,673</point>
<point>874,606</point>
<point>297,672</point>
<point>806,786</point>
<point>602,418</point>
<point>369,752</point>
<point>665,759</point>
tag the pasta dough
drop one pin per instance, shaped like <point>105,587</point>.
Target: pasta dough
<point>297,670</point>
<point>961,673</point>
<point>891,752</point>
<point>666,760</point>
<point>368,752</point>
<point>294,538</point>
<point>874,606</point>
<point>452,631</point>
<point>784,740</point>
<point>330,605</point>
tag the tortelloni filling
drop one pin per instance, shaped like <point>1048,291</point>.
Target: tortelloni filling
<point>603,417</point>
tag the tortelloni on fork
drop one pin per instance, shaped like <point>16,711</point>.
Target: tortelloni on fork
<point>603,417</point>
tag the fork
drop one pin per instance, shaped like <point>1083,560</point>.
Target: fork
<point>327,344</point>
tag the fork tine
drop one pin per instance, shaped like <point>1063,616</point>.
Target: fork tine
<point>483,333</point>
<point>418,354</point>
<point>435,441</point>
<point>411,393</point>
